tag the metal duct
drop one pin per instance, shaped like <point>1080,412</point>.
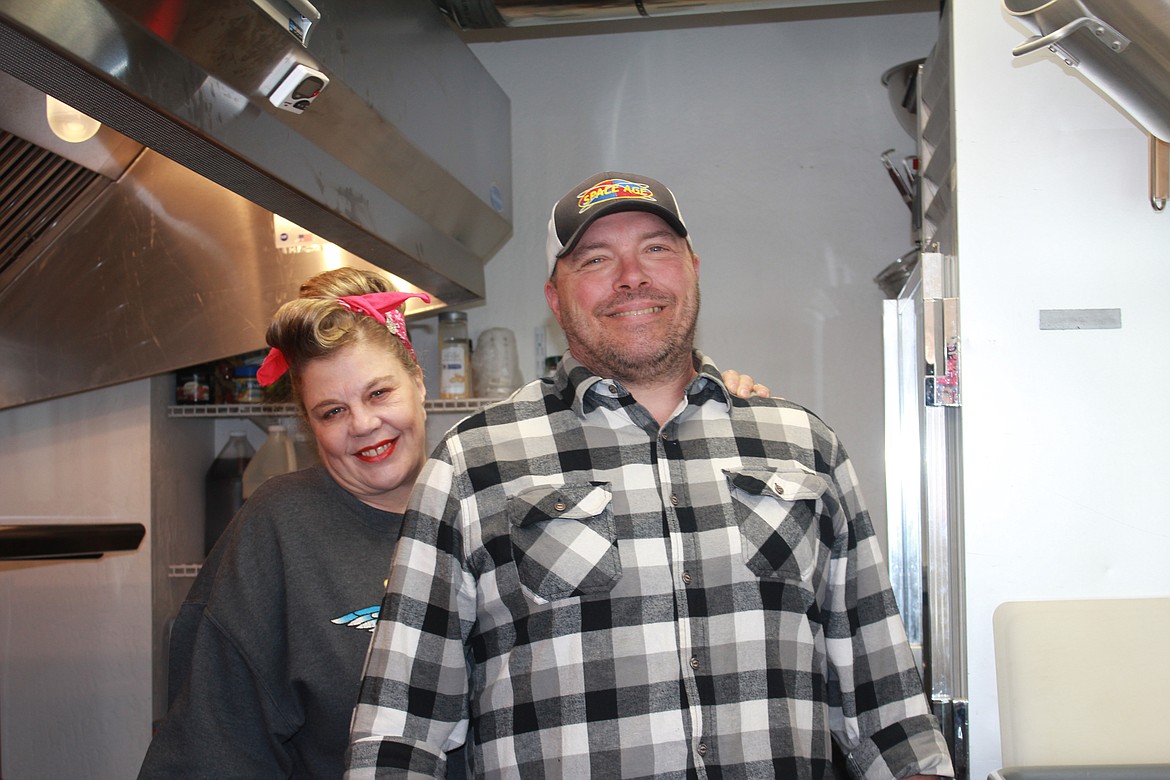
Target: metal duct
<point>404,161</point>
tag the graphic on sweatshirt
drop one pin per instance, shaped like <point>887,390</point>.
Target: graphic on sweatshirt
<point>363,619</point>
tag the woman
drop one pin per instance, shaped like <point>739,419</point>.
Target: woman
<point>268,648</point>
<point>270,643</point>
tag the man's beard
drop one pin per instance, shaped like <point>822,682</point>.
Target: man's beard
<point>664,358</point>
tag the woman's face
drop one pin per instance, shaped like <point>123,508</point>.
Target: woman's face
<point>366,411</point>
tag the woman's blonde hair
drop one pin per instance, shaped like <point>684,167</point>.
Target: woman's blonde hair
<point>316,326</point>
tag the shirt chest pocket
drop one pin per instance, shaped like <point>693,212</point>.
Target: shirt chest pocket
<point>777,516</point>
<point>564,540</point>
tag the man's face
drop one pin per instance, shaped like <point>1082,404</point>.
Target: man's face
<point>627,297</point>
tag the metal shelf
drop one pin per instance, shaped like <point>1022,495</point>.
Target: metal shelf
<point>232,410</point>
<point>184,570</point>
<point>460,406</point>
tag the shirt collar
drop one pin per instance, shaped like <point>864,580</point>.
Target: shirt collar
<point>577,385</point>
<point>708,383</point>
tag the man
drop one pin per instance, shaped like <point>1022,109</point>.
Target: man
<point>626,572</point>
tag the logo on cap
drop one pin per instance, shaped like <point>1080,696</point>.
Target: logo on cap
<point>613,189</point>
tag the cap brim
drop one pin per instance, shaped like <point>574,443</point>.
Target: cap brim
<point>616,208</point>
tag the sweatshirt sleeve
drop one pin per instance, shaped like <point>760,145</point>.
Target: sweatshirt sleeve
<point>224,719</point>
<point>222,723</point>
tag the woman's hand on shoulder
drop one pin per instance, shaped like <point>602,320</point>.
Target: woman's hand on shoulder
<point>743,385</point>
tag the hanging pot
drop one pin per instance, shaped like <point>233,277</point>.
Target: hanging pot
<point>1119,45</point>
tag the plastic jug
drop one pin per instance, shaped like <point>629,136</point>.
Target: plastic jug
<point>275,456</point>
<point>223,487</point>
<point>305,448</point>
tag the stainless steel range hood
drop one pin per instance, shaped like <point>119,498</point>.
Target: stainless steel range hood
<point>403,161</point>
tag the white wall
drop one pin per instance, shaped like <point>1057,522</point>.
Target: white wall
<point>770,135</point>
<point>1064,457</point>
<point>75,635</point>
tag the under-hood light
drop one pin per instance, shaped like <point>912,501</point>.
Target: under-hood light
<point>332,255</point>
<point>69,124</point>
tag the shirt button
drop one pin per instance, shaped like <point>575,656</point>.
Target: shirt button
<point>686,578</point>
<point>613,390</point>
<point>694,663</point>
<point>674,500</point>
<point>702,749</point>
<point>559,506</point>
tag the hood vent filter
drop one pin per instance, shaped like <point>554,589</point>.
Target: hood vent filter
<point>36,188</point>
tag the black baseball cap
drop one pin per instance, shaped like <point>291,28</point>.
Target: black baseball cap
<point>605,193</point>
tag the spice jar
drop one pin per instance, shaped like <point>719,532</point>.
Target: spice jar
<point>247,386</point>
<point>193,385</point>
<point>454,356</point>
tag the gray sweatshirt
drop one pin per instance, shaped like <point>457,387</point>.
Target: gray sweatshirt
<point>267,650</point>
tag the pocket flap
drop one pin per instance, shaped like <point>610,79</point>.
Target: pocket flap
<point>792,482</point>
<point>551,502</point>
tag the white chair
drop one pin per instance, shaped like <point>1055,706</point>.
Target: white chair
<point>1084,688</point>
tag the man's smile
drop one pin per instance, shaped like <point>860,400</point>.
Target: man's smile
<point>635,312</point>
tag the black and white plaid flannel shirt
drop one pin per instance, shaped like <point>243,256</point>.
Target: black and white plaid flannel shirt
<point>584,594</point>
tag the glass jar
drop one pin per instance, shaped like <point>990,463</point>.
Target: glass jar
<point>193,385</point>
<point>454,356</point>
